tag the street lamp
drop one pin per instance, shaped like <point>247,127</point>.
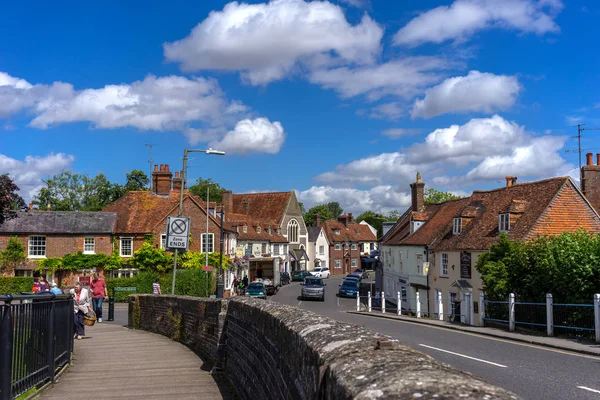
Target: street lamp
<point>184,173</point>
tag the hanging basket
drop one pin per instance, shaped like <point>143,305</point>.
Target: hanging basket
<point>89,319</point>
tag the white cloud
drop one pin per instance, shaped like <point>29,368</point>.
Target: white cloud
<point>253,136</point>
<point>28,174</point>
<point>381,199</point>
<point>464,18</point>
<point>390,111</point>
<point>357,3</point>
<point>396,133</point>
<point>267,42</point>
<point>477,91</point>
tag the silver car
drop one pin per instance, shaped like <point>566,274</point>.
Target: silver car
<point>313,288</point>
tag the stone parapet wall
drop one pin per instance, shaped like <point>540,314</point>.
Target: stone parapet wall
<point>272,351</point>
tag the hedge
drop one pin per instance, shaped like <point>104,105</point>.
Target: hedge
<point>188,283</point>
<point>15,284</point>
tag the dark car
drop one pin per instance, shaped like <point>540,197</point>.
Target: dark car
<point>300,275</point>
<point>284,278</point>
<point>313,288</point>
<point>363,274</point>
<point>353,276</point>
<point>257,289</point>
<point>349,288</point>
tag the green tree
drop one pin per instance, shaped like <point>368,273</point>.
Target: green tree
<point>302,209</point>
<point>200,187</point>
<point>136,180</point>
<point>150,258</point>
<point>393,215</point>
<point>433,196</point>
<point>373,219</point>
<point>335,208</point>
<point>10,201</point>
<point>323,211</point>
<point>13,256</point>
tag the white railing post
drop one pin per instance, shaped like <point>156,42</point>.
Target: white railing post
<point>481,308</point>
<point>382,302</point>
<point>597,316</point>
<point>440,307</point>
<point>399,304</point>
<point>358,301</point>
<point>511,312</point>
<point>418,305</point>
<point>549,315</point>
<point>369,301</point>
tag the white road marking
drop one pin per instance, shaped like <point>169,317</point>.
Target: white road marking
<point>338,300</point>
<point>589,389</point>
<point>464,356</point>
<point>300,302</point>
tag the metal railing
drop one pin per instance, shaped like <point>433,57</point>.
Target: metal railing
<point>36,340</point>
<point>576,320</point>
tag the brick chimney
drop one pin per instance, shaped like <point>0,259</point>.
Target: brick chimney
<point>227,201</point>
<point>350,218</point>
<point>246,207</point>
<point>177,181</point>
<point>417,191</point>
<point>317,219</point>
<point>590,180</point>
<point>161,179</point>
<point>343,219</point>
<point>511,181</point>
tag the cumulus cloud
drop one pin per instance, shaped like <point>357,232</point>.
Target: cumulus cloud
<point>253,136</point>
<point>357,3</point>
<point>28,174</point>
<point>389,111</point>
<point>268,41</point>
<point>464,18</point>
<point>382,199</point>
<point>477,91</point>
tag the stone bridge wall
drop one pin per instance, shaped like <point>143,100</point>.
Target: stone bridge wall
<point>273,351</point>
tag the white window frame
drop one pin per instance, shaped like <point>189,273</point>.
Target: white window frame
<point>338,246</point>
<point>86,245</point>
<point>354,263</point>
<point>338,263</point>
<point>504,222</point>
<point>456,226</point>
<point>121,239</point>
<point>293,228</point>
<point>321,250</point>
<point>275,248</point>
<point>419,263</point>
<point>31,244</point>
<point>258,229</point>
<point>353,246</point>
<point>163,241</point>
<point>444,264</point>
<point>210,243</point>
<point>264,248</point>
<point>245,229</point>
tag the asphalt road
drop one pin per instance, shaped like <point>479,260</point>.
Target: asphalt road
<point>530,371</point>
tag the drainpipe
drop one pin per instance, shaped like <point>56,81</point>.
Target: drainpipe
<point>427,260</point>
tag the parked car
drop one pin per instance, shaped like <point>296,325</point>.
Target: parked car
<point>349,288</point>
<point>300,275</point>
<point>257,290</point>
<point>284,278</point>
<point>313,288</point>
<point>321,272</point>
<point>270,287</point>
<point>354,275</point>
<point>363,273</point>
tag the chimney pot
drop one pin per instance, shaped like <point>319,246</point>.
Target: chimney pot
<point>167,167</point>
<point>589,159</point>
<point>597,158</point>
<point>317,219</point>
<point>177,174</point>
<point>155,168</point>
<point>509,181</point>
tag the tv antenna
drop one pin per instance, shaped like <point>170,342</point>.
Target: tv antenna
<point>580,129</point>
<point>150,161</point>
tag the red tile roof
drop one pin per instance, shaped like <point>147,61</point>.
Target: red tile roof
<point>262,205</point>
<point>239,220</point>
<point>354,232</point>
<point>441,218</point>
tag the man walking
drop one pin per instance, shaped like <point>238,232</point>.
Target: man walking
<point>99,293</point>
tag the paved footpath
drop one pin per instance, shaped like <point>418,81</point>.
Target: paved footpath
<point>114,362</point>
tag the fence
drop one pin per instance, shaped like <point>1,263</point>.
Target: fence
<point>36,340</point>
<point>581,321</point>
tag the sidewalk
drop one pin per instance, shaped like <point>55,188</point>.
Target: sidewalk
<point>116,362</point>
<point>563,344</point>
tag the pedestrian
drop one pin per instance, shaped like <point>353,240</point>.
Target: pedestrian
<point>99,293</point>
<point>81,306</point>
<point>43,285</point>
<point>156,287</point>
<point>55,289</point>
<point>377,298</point>
<point>234,286</point>
<point>245,281</point>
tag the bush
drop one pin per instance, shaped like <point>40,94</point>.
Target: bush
<point>188,283</point>
<point>15,284</point>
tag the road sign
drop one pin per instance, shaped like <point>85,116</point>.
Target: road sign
<point>178,231</point>
<point>425,268</point>
<point>206,268</point>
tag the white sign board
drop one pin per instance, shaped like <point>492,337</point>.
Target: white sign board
<point>178,232</point>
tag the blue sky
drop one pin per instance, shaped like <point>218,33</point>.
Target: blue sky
<point>342,101</point>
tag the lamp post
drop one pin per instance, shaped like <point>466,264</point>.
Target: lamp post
<point>184,173</point>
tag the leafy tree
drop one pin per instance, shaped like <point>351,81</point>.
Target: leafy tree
<point>323,211</point>
<point>394,215</point>
<point>69,191</point>
<point>150,258</point>
<point>335,208</point>
<point>215,190</point>
<point>373,219</point>
<point>136,180</point>
<point>302,209</point>
<point>13,256</point>
<point>10,201</point>
<point>436,196</point>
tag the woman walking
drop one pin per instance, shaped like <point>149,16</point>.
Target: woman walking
<point>81,303</point>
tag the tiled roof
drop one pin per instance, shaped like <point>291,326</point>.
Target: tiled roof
<point>239,220</point>
<point>140,211</point>
<point>60,222</point>
<point>352,233</point>
<point>313,233</point>
<point>262,205</point>
<point>441,216</point>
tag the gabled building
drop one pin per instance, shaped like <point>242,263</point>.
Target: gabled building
<point>318,245</point>
<point>521,211</point>
<point>348,241</point>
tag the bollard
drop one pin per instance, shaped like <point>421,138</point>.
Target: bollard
<point>399,304</point>
<point>549,315</point>
<point>418,305</point>
<point>511,312</point>
<point>382,302</point>
<point>357,301</point>
<point>111,307</point>
<point>440,306</point>
<point>369,301</point>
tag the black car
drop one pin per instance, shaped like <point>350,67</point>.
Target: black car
<point>284,278</point>
<point>363,274</point>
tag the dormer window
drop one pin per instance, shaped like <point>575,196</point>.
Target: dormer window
<point>504,222</point>
<point>245,229</point>
<point>457,226</point>
<point>336,231</point>
<point>270,230</point>
<point>258,229</point>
